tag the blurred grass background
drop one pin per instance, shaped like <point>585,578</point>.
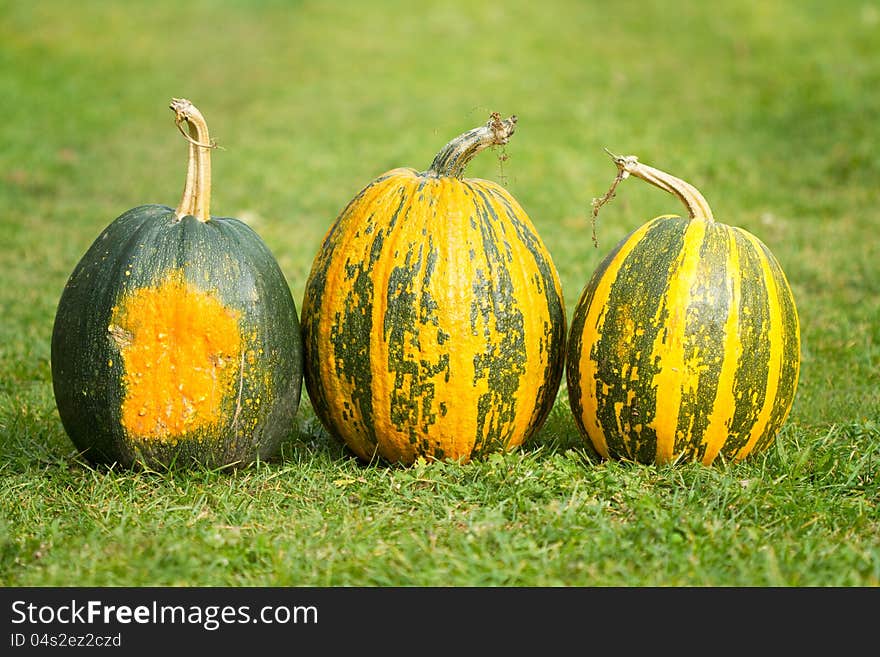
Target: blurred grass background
<point>769,108</point>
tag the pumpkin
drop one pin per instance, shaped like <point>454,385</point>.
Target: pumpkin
<point>176,338</point>
<point>685,342</point>
<point>433,319</point>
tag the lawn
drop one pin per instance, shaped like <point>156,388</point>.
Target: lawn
<point>769,108</point>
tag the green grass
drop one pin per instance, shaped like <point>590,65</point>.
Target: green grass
<point>770,109</point>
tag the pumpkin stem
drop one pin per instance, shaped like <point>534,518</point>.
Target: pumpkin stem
<point>629,165</point>
<point>196,200</point>
<point>454,157</point>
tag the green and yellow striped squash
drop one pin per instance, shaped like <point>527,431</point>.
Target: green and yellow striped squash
<point>176,339</point>
<point>433,319</point>
<point>685,343</point>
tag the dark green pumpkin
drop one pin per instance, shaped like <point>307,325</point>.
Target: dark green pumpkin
<point>176,339</point>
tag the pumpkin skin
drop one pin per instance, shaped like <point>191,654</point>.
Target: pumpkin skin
<point>433,320</point>
<point>176,342</point>
<point>685,343</point>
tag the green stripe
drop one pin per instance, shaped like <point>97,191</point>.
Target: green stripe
<point>750,380</point>
<point>552,341</point>
<point>409,307</point>
<point>788,374</point>
<point>576,336</point>
<point>351,327</point>
<point>704,337</point>
<point>311,315</point>
<point>494,311</point>
<point>638,295</point>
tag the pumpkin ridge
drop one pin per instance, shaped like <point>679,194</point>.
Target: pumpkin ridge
<point>590,316</point>
<point>635,309</point>
<point>775,354</point>
<point>353,328</point>
<point>674,374</point>
<point>753,364</point>
<point>400,309</point>
<point>719,258</point>
<point>531,255</point>
<point>394,309</point>
<point>552,333</point>
<point>502,364</point>
<point>576,365</point>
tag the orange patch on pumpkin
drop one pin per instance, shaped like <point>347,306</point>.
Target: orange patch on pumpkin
<point>181,352</point>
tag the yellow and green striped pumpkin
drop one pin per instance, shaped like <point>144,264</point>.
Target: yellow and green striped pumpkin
<point>433,318</point>
<point>685,343</point>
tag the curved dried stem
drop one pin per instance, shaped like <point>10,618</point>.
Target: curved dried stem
<point>454,157</point>
<point>196,199</point>
<point>696,204</point>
